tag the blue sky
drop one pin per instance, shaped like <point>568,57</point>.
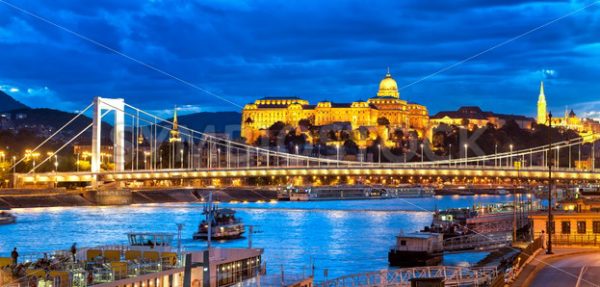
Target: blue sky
<point>317,50</point>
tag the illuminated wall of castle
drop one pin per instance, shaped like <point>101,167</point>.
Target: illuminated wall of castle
<point>263,113</point>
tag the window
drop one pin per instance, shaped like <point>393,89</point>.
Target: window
<point>581,227</point>
<point>566,227</point>
<point>596,226</point>
<point>552,227</point>
<point>402,242</point>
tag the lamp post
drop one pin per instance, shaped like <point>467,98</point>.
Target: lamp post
<point>55,163</point>
<point>14,160</point>
<point>337,156</point>
<point>297,159</point>
<point>496,155</point>
<point>379,154</point>
<point>549,227</point>
<point>466,154</point>
<point>218,157</point>
<point>450,154</point>
<point>557,156</point>
<point>181,152</point>
<point>422,152</point>
<point>511,156</point>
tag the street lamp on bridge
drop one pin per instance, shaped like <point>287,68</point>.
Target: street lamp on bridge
<point>549,228</point>
<point>511,155</point>
<point>495,155</point>
<point>466,154</point>
<point>450,154</point>
<point>379,153</point>
<point>181,152</point>
<point>337,146</point>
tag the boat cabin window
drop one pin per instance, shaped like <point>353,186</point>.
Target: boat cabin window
<point>150,239</point>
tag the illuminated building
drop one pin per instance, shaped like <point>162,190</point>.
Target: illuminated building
<point>576,222</point>
<point>174,132</point>
<point>471,117</point>
<point>587,128</point>
<point>386,106</point>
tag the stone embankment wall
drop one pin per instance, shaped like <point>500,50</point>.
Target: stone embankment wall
<point>21,198</point>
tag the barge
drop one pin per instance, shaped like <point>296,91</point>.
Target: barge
<point>351,192</point>
<point>417,249</point>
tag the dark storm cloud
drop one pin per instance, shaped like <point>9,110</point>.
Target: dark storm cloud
<point>336,50</point>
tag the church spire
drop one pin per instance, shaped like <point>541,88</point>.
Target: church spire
<point>175,130</point>
<point>541,106</point>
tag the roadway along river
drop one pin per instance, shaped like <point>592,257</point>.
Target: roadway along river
<point>343,236</point>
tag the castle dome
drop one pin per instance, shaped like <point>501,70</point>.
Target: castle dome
<point>388,87</point>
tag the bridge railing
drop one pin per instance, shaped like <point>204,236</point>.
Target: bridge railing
<point>454,276</point>
<point>474,241</point>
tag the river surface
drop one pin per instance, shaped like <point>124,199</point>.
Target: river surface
<point>343,237</point>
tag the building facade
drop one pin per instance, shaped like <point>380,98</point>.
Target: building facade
<point>576,222</point>
<point>472,116</point>
<point>386,106</point>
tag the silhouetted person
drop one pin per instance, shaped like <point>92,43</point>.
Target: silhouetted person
<point>15,256</point>
<point>544,241</point>
<point>74,250</point>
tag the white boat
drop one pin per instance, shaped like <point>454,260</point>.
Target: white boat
<point>6,217</point>
<point>219,223</point>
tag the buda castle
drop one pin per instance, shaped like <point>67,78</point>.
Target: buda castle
<point>386,107</point>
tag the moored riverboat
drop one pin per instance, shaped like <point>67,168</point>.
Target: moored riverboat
<point>6,217</point>
<point>351,192</point>
<point>417,249</point>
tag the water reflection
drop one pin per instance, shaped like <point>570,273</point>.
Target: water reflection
<point>343,236</point>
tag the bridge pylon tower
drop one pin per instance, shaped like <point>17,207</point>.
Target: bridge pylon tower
<point>118,106</point>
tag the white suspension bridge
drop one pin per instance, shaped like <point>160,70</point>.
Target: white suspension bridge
<point>149,157</point>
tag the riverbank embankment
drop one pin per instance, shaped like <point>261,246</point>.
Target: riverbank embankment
<point>22,198</point>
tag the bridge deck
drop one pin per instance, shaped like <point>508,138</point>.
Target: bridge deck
<point>398,170</point>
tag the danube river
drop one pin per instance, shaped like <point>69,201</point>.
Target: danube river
<point>343,237</point>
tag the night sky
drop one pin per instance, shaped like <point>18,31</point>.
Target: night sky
<point>317,50</point>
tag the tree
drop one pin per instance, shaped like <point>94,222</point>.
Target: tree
<point>383,121</point>
<point>306,123</point>
<point>398,136</point>
<point>350,147</point>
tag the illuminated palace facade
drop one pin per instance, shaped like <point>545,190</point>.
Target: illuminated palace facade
<point>260,115</point>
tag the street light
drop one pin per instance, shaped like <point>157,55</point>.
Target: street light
<point>549,227</point>
<point>379,154</point>
<point>55,163</point>
<point>146,155</point>
<point>558,156</point>
<point>181,152</point>
<point>337,147</point>
<point>450,154</point>
<point>218,157</point>
<point>511,150</point>
<point>466,153</point>
<point>421,153</point>
<point>496,155</point>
